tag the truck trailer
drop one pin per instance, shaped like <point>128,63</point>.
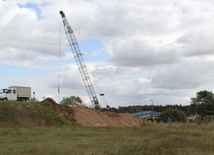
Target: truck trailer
<point>16,93</point>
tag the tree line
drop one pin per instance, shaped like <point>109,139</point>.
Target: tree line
<point>159,108</point>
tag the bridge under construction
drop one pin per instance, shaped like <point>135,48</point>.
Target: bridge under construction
<point>147,114</point>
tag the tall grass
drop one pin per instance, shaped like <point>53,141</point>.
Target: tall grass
<point>150,139</point>
<point>29,114</point>
<point>33,128</point>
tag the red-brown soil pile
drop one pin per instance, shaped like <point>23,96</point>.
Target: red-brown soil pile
<point>90,117</point>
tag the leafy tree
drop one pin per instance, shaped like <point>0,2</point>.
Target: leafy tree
<point>203,103</point>
<point>173,115</point>
<point>72,101</point>
<point>97,107</point>
<point>111,109</point>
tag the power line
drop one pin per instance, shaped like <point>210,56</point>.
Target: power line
<point>59,58</point>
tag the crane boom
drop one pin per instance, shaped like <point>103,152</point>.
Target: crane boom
<point>79,60</point>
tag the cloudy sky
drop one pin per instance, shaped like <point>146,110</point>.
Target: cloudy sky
<point>135,51</point>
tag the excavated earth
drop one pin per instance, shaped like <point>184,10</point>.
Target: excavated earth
<point>94,118</point>
<point>89,117</point>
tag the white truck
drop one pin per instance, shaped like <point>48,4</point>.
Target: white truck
<point>16,93</point>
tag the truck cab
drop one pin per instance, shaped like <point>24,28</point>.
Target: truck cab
<point>8,94</point>
<point>2,91</point>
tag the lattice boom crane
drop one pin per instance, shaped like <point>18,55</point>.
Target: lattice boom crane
<point>79,60</point>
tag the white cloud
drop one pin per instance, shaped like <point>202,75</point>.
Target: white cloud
<point>190,74</point>
<point>157,49</point>
<point>197,43</point>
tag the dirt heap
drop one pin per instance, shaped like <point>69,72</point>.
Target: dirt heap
<point>65,111</point>
<point>90,117</point>
<point>49,102</point>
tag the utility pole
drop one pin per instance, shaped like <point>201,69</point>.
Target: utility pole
<point>152,104</point>
<point>152,110</point>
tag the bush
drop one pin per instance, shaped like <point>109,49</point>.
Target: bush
<point>172,115</point>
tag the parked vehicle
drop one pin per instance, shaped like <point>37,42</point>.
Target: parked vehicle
<point>16,93</point>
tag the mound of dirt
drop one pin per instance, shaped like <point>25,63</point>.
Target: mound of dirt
<point>49,102</point>
<point>90,117</point>
<point>65,111</point>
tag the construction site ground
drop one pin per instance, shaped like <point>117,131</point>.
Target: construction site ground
<point>89,117</point>
<point>94,118</point>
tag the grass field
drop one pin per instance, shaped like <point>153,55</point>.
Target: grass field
<point>42,129</point>
<point>150,139</point>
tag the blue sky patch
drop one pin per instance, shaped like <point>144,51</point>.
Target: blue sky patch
<point>93,50</point>
<point>90,45</point>
<point>35,7</point>
<point>15,71</point>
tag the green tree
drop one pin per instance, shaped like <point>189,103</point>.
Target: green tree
<point>172,115</point>
<point>72,101</point>
<point>203,103</point>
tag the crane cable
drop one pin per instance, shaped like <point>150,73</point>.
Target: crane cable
<point>59,58</point>
<point>103,95</point>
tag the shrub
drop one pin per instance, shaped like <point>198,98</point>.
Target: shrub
<point>173,115</point>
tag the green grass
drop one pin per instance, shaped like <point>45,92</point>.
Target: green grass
<point>150,139</point>
<point>38,129</point>
<point>27,114</point>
